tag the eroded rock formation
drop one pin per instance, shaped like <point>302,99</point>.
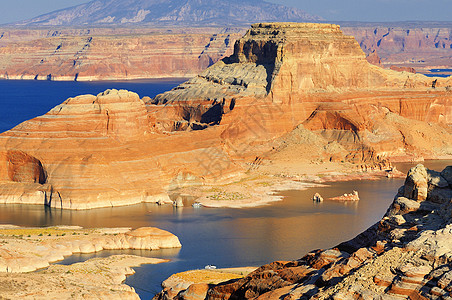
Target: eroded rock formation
<point>287,85</point>
<point>63,53</point>
<point>407,254</point>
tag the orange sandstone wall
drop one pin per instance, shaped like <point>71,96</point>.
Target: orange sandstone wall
<point>108,54</point>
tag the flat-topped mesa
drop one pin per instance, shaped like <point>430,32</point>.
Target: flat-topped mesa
<point>281,63</point>
<point>308,55</point>
<point>258,56</point>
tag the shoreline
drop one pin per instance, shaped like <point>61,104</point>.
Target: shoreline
<point>89,79</point>
<point>257,188</point>
<point>198,281</point>
<point>404,254</point>
<point>262,187</point>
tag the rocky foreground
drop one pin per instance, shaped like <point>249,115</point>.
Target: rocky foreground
<point>23,250</point>
<point>406,255</point>
<point>291,94</point>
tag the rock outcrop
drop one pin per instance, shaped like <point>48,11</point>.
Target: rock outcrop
<point>406,254</point>
<point>284,82</point>
<point>354,196</point>
<point>24,250</point>
<point>373,58</point>
<point>403,69</point>
<point>97,278</point>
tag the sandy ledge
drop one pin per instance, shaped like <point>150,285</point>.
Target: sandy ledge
<point>261,186</point>
<point>197,282</point>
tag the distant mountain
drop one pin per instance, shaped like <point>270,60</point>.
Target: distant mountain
<point>170,12</point>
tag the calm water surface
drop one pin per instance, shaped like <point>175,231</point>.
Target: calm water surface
<point>21,100</point>
<point>223,237</point>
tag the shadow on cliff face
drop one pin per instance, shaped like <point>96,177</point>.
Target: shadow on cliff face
<point>22,167</point>
<point>201,116</point>
<point>202,101</point>
<point>263,53</point>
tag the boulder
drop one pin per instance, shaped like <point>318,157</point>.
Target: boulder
<point>447,174</point>
<point>416,183</point>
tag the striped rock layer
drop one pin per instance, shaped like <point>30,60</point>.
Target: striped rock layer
<point>117,149</point>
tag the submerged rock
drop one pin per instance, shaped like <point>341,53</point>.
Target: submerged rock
<point>353,196</point>
<point>317,198</point>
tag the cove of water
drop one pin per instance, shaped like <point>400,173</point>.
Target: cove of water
<point>224,237</point>
<point>440,70</point>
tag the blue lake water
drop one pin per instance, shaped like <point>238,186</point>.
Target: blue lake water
<point>440,70</point>
<point>223,237</point>
<point>21,100</point>
<point>439,73</point>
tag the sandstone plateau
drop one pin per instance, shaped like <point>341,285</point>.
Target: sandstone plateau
<point>111,53</point>
<point>417,45</point>
<point>406,255</point>
<point>290,92</point>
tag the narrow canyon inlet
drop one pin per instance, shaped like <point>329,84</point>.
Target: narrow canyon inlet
<point>228,162</point>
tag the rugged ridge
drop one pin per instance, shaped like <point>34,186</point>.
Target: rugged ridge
<point>422,46</point>
<point>175,12</point>
<point>282,79</point>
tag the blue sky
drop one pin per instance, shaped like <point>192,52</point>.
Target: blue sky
<point>334,10</point>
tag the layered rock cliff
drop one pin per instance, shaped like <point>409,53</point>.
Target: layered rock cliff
<point>406,255</point>
<point>422,46</point>
<point>29,53</point>
<point>312,74</point>
<point>111,53</point>
<point>283,79</point>
<point>61,53</point>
